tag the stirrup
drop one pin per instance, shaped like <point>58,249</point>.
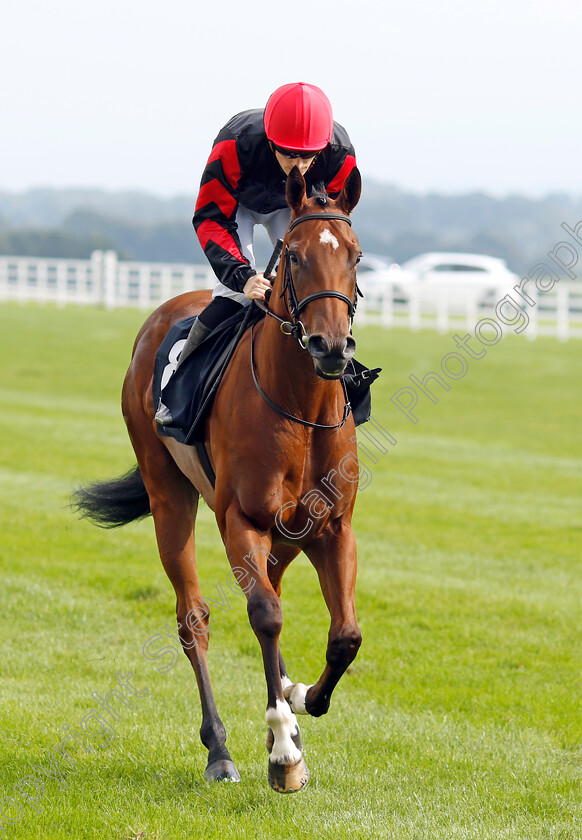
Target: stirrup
<point>163,416</point>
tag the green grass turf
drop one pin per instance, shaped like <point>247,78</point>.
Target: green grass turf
<point>461,716</point>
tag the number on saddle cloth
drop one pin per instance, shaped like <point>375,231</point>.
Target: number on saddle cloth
<point>182,394</point>
<point>173,357</point>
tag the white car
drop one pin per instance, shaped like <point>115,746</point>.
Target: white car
<point>374,278</point>
<point>459,268</point>
<point>460,277</point>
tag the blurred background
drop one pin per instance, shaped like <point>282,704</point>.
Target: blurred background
<point>460,717</point>
<point>463,116</point>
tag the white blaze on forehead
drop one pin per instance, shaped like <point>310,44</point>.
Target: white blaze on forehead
<point>326,237</point>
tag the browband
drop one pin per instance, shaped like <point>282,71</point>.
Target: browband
<point>321,217</point>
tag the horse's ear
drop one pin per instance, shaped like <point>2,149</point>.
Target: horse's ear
<point>350,195</point>
<point>295,190</point>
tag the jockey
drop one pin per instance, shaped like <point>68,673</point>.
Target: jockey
<point>243,185</point>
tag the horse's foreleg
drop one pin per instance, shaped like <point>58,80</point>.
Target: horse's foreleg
<point>249,555</point>
<point>334,557</point>
<point>284,555</point>
<point>174,503</point>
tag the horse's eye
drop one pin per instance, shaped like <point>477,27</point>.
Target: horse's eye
<point>293,258</point>
<point>358,258</point>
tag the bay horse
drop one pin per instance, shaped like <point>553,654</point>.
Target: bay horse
<point>279,428</point>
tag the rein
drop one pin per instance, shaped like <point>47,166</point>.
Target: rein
<point>296,328</point>
<point>283,413</point>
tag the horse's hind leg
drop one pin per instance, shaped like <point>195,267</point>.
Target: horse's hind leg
<point>174,502</point>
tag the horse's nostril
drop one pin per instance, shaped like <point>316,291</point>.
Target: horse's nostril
<point>318,346</point>
<point>349,347</point>
<point>321,348</point>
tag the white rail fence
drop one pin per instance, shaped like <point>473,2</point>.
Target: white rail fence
<point>557,312</point>
<point>107,281</point>
<point>102,280</point>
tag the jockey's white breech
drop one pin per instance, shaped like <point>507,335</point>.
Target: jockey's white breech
<point>275,223</point>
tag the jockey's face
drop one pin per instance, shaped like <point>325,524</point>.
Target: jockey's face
<point>287,163</point>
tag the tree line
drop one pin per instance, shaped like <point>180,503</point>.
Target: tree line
<point>389,222</point>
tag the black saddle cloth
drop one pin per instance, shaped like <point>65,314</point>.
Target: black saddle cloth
<point>189,392</point>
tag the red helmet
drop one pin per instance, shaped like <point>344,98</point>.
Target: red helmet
<point>299,116</point>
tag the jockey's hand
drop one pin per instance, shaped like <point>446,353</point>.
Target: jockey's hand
<point>255,287</point>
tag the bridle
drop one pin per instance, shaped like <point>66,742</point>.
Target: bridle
<point>295,327</point>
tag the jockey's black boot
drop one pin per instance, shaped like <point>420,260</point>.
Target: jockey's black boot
<point>217,311</point>
<point>198,332</point>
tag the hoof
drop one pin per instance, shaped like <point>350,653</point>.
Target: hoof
<point>222,771</point>
<point>288,778</point>
<point>295,738</point>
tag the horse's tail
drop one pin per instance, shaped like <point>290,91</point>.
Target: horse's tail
<point>110,504</point>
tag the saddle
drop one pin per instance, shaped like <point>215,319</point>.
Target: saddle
<point>188,392</point>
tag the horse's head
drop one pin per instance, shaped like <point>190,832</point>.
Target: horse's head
<point>320,271</point>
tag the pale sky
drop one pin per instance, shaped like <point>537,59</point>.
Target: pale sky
<point>452,96</point>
